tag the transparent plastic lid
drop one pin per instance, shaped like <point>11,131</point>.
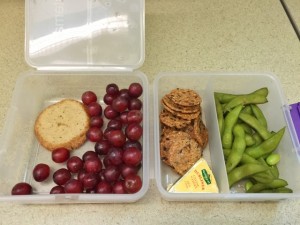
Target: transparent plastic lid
<point>93,34</point>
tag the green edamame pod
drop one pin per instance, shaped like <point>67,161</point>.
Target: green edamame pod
<point>273,159</point>
<point>230,120</point>
<point>245,157</point>
<point>249,140</point>
<point>224,97</point>
<point>277,183</point>
<point>259,115</point>
<point>247,109</point>
<point>277,190</point>
<point>246,127</point>
<point>267,146</point>
<point>275,172</point>
<point>244,171</point>
<point>248,185</point>
<point>263,177</point>
<point>220,116</point>
<point>245,100</point>
<point>258,139</point>
<point>238,148</point>
<point>255,124</point>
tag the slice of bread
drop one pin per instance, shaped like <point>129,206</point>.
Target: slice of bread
<point>63,124</point>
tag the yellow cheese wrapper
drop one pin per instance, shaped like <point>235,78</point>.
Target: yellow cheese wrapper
<point>199,179</point>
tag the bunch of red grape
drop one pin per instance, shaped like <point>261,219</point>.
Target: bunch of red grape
<point>114,164</point>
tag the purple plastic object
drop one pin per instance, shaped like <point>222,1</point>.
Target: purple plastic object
<point>295,114</point>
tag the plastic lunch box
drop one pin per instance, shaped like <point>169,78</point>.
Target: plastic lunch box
<point>277,112</point>
<point>74,48</point>
<point>84,46</point>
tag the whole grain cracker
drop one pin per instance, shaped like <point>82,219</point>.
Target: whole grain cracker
<point>185,97</point>
<point>170,120</point>
<point>183,154</point>
<point>166,101</point>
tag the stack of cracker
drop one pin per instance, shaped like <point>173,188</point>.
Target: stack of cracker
<point>184,135</point>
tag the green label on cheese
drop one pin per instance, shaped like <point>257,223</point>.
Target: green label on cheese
<point>206,176</point>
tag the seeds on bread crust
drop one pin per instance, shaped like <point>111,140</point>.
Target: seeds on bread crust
<point>63,124</point>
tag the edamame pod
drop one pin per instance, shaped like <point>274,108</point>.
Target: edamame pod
<point>247,109</point>
<point>259,115</point>
<point>220,117</point>
<point>244,171</point>
<point>277,183</point>
<point>267,146</point>
<point>255,124</point>
<point>273,159</point>
<point>244,100</point>
<point>277,190</point>
<point>249,140</point>
<point>230,120</point>
<point>238,148</point>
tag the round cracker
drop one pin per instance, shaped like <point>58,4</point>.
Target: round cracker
<point>184,97</point>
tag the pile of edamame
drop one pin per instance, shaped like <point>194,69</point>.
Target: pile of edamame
<point>248,145</point>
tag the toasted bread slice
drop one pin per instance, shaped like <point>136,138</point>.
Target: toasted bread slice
<point>63,124</point>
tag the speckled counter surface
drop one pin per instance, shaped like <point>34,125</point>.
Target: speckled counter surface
<point>208,35</point>
<point>294,9</point>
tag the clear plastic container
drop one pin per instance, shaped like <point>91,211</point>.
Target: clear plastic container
<point>276,112</point>
<point>75,47</point>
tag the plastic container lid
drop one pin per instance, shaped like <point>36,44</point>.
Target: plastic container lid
<point>85,34</point>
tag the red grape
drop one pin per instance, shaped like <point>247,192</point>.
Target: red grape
<point>135,103</point>
<point>131,143</point>
<point>73,186</point>
<point>108,99</point>
<point>21,189</point>
<point>94,134</point>
<point>110,113</point>
<point>57,190</point>
<point>60,155</point>
<point>102,147</point>
<point>93,165</point>
<point>124,93</point>
<point>134,131</point>
<point>116,138</point>
<point>115,156</point>
<point>115,124</point>
<point>134,116</point>
<point>88,155</point>
<point>132,183</point>
<point>120,104</point>
<point>96,121</point>
<point>61,176</point>
<point>112,89</point>
<point>103,187</point>
<point>81,174</point>
<point>90,181</point>
<point>111,173</point>
<point>88,97</point>
<point>119,187</point>
<point>107,162</point>
<point>94,109</point>
<point>126,170</point>
<point>41,172</point>
<point>74,164</point>
<point>123,117</point>
<point>135,90</point>
<point>132,156</point>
